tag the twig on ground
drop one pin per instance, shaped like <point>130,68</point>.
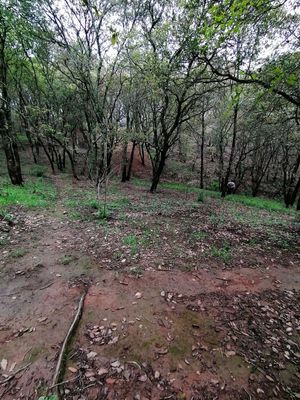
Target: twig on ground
<point>9,378</point>
<point>62,383</point>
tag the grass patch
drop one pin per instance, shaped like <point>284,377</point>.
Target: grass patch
<point>199,235</point>
<point>67,259</point>
<point>18,253</point>
<point>223,253</point>
<point>34,193</point>
<point>132,242</point>
<point>258,202</point>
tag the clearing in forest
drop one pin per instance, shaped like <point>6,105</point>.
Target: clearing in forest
<point>185,299</point>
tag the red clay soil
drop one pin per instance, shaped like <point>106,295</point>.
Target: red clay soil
<point>164,321</point>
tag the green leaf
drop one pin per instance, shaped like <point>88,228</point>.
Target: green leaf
<point>114,38</point>
<point>52,397</point>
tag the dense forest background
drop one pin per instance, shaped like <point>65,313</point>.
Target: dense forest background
<point>208,89</point>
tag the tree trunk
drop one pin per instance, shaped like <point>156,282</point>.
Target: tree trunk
<point>124,163</point>
<point>202,151</point>
<point>157,169</point>
<point>8,141</point>
<point>232,151</point>
<point>11,151</point>
<point>142,153</point>
<point>131,161</point>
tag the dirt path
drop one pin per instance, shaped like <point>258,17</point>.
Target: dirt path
<point>148,331</point>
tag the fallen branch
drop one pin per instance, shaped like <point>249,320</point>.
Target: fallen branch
<point>9,378</point>
<point>61,359</point>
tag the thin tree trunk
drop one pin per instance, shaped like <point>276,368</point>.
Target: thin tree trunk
<point>124,163</point>
<point>11,151</point>
<point>142,153</point>
<point>131,161</point>
<point>202,151</point>
<point>157,169</point>
<point>232,151</point>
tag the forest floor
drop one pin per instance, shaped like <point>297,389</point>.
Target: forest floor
<point>185,299</point>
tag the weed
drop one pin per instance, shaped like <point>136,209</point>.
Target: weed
<point>217,220</point>
<point>147,237</point>
<point>198,235</point>
<point>137,272</point>
<point>200,197</point>
<point>214,186</point>
<point>67,259</point>
<point>38,170</point>
<point>18,253</point>
<point>6,216</point>
<point>3,240</point>
<point>252,242</point>
<point>132,242</point>
<point>223,253</point>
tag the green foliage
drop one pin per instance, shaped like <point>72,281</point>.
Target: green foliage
<point>34,193</point>
<point>51,397</point>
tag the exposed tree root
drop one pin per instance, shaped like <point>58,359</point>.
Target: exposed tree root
<point>60,367</point>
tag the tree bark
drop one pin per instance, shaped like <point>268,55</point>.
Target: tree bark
<point>131,161</point>
<point>11,152</point>
<point>8,141</point>
<point>157,169</point>
<point>202,151</point>
<point>124,163</point>
<point>232,151</point>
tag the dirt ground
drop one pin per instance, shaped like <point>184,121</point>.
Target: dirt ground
<point>184,300</point>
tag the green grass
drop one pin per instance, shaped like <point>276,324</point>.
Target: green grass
<point>132,242</point>
<point>34,193</point>
<point>67,259</point>
<point>259,202</point>
<point>223,253</point>
<point>198,235</point>
<point>18,253</point>
<point>256,202</point>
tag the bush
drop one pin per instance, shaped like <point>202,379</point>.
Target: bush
<point>38,170</point>
<point>214,186</point>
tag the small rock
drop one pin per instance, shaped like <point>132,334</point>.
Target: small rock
<point>102,371</point>
<point>72,369</point>
<point>230,353</point>
<point>3,364</point>
<point>138,295</point>
<point>157,375</point>
<point>143,378</point>
<point>91,355</point>
<point>89,374</point>
<point>115,364</point>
